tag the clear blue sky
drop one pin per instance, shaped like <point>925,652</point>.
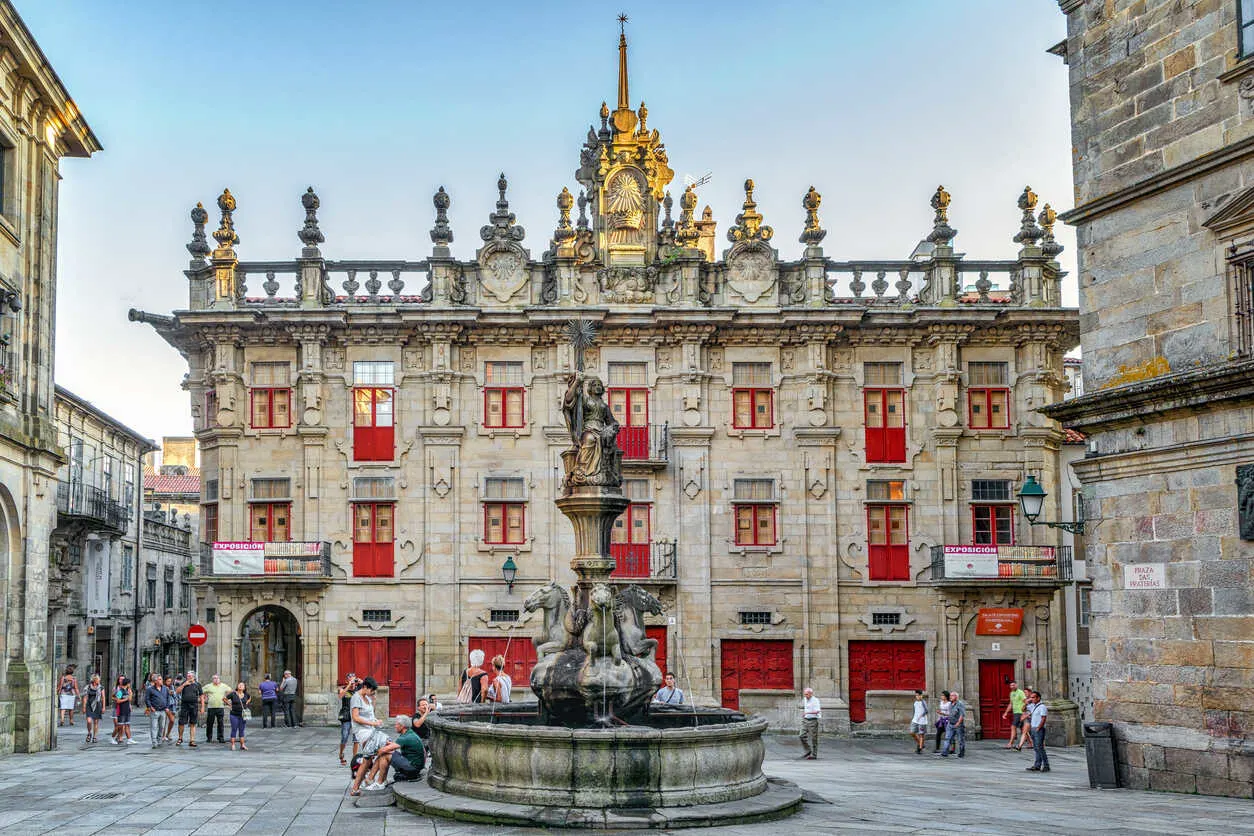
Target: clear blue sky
<point>377,103</point>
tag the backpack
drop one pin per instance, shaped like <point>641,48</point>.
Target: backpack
<point>466,694</point>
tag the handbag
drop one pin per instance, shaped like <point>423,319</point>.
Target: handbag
<point>247,714</point>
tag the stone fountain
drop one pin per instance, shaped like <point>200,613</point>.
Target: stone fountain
<point>596,754</point>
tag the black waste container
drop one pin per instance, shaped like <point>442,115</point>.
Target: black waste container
<point>1099,750</point>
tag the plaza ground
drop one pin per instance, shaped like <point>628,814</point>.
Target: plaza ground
<point>291,782</point>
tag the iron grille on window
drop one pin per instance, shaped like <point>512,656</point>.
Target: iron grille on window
<point>211,615</point>
<point>376,615</point>
<point>886,619</point>
<point>990,490</point>
<point>271,488</point>
<point>883,490</point>
<point>503,616</point>
<point>881,374</point>
<point>755,617</point>
<point>1241,271</point>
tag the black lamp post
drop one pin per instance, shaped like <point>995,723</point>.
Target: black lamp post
<point>509,571</point>
<point>1032,501</point>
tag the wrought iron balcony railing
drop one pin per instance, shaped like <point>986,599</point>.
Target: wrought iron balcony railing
<point>644,561</point>
<point>265,560</point>
<point>1007,565</point>
<point>80,500</point>
<point>650,443</point>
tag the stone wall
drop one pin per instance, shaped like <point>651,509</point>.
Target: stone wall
<point>888,713</point>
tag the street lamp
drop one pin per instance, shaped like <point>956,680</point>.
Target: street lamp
<point>509,571</point>
<point>1032,501</point>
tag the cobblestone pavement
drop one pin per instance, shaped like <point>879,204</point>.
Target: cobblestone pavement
<point>291,782</point>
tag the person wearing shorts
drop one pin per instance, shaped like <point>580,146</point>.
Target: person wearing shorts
<point>1014,711</point>
<point>123,696</point>
<point>68,697</point>
<point>918,722</point>
<point>189,708</point>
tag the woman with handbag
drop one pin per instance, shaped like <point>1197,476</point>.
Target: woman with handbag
<point>942,718</point>
<point>240,714</point>
<point>474,680</point>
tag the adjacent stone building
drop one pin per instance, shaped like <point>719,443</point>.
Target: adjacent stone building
<point>39,125</point>
<point>822,454</point>
<point>1162,102</point>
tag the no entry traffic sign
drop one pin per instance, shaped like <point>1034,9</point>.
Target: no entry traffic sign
<point>197,635</point>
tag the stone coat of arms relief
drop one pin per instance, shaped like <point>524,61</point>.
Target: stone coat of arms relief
<point>751,273</point>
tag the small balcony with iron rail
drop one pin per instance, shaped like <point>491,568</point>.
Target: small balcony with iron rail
<point>91,506</point>
<point>1000,566</point>
<point>247,563</point>
<point>646,447</point>
<point>645,562</point>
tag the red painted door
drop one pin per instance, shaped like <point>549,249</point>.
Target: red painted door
<point>364,657</point>
<point>758,664</point>
<point>659,633</point>
<point>631,409</point>
<point>995,678</point>
<point>519,653</point>
<point>882,666</point>
<point>402,698</point>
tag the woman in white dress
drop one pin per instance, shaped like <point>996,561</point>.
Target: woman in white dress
<point>375,747</point>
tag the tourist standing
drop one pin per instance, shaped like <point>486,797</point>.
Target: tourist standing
<point>269,698</point>
<point>918,722</point>
<point>811,713</point>
<point>474,679</point>
<point>171,708</point>
<point>1037,714</point>
<point>668,694</point>
<point>376,749</point>
<point>93,707</point>
<point>956,727</point>
<point>502,685</point>
<point>154,709</point>
<point>410,757</point>
<point>214,698</point>
<point>1014,711</point>
<point>123,698</point>
<point>942,718</point>
<point>67,697</point>
<point>238,701</point>
<point>189,693</point>
<point>287,698</point>
<point>346,692</point>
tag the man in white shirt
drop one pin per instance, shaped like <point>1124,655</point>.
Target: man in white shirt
<point>668,694</point>
<point>811,713</point>
<point>1037,712</point>
<point>918,722</point>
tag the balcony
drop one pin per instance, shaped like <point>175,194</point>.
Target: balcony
<point>646,447</point>
<point>87,503</point>
<point>226,562</point>
<point>967,565</point>
<point>646,562</point>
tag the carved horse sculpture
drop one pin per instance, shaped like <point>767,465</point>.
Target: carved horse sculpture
<point>600,637</point>
<point>555,602</point>
<point>631,604</point>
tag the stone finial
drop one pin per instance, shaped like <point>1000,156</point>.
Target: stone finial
<point>502,226</point>
<point>687,234</point>
<point>1050,247</point>
<point>582,203</point>
<point>1029,233</point>
<point>225,233</point>
<point>813,234</point>
<point>199,246</point>
<point>310,235</point>
<point>942,233</point>
<point>441,233</point>
<point>564,232</point>
<point>749,226</point>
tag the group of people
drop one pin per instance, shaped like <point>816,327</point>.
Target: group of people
<point>1024,708</point>
<point>477,685</point>
<point>374,754</point>
<point>174,701</point>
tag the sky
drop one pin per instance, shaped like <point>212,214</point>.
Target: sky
<point>376,104</point>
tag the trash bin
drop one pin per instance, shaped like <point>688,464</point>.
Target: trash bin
<point>1099,750</point>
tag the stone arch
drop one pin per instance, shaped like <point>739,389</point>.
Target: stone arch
<point>270,639</point>
<point>10,568</point>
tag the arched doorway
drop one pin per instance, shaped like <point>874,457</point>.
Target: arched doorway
<point>270,643</point>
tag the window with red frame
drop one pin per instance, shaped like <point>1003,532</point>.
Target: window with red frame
<point>631,536</point>
<point>209,522</point>
<point>884,403</point>
<point>755,511</point>
<point>628,397</point>
<point>373,540</point>
<point>211,409</point>
<point>504,397</point>
<point>888,531</point>
<point>268,519</point>
<point>373,411</point>
<point>992,513</point>
<point>988,397</point>
<point>271,396</point>
<point>753,398</point>
<point>504,512</point>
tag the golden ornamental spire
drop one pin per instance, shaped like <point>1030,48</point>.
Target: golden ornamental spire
<point>624,116</point>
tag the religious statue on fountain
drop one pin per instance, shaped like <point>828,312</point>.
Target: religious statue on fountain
<point>594,456</point>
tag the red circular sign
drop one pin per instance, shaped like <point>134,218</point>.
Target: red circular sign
<point>197,635</point>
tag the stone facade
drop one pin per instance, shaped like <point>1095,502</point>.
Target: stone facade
<point>1161,98</point>
<point>39,124</point>
<point>758,486</point>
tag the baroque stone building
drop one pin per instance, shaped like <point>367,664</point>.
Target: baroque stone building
<point>39,125</point>
<point>1162,101</point>
<point>822,454</point>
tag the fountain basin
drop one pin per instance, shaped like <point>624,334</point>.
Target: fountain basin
<point>708,756</point>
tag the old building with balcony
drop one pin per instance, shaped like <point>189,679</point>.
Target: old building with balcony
<point>381,445</point>
<point>39,126</point>
<point>166,601</point>
<point>96,545</point>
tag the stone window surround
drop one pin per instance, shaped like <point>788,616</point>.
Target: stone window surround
<point>751,354</point>
<point>729,491</point>
<point>481,490</point>
<point>10,199</point>
<point>502,354</point>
